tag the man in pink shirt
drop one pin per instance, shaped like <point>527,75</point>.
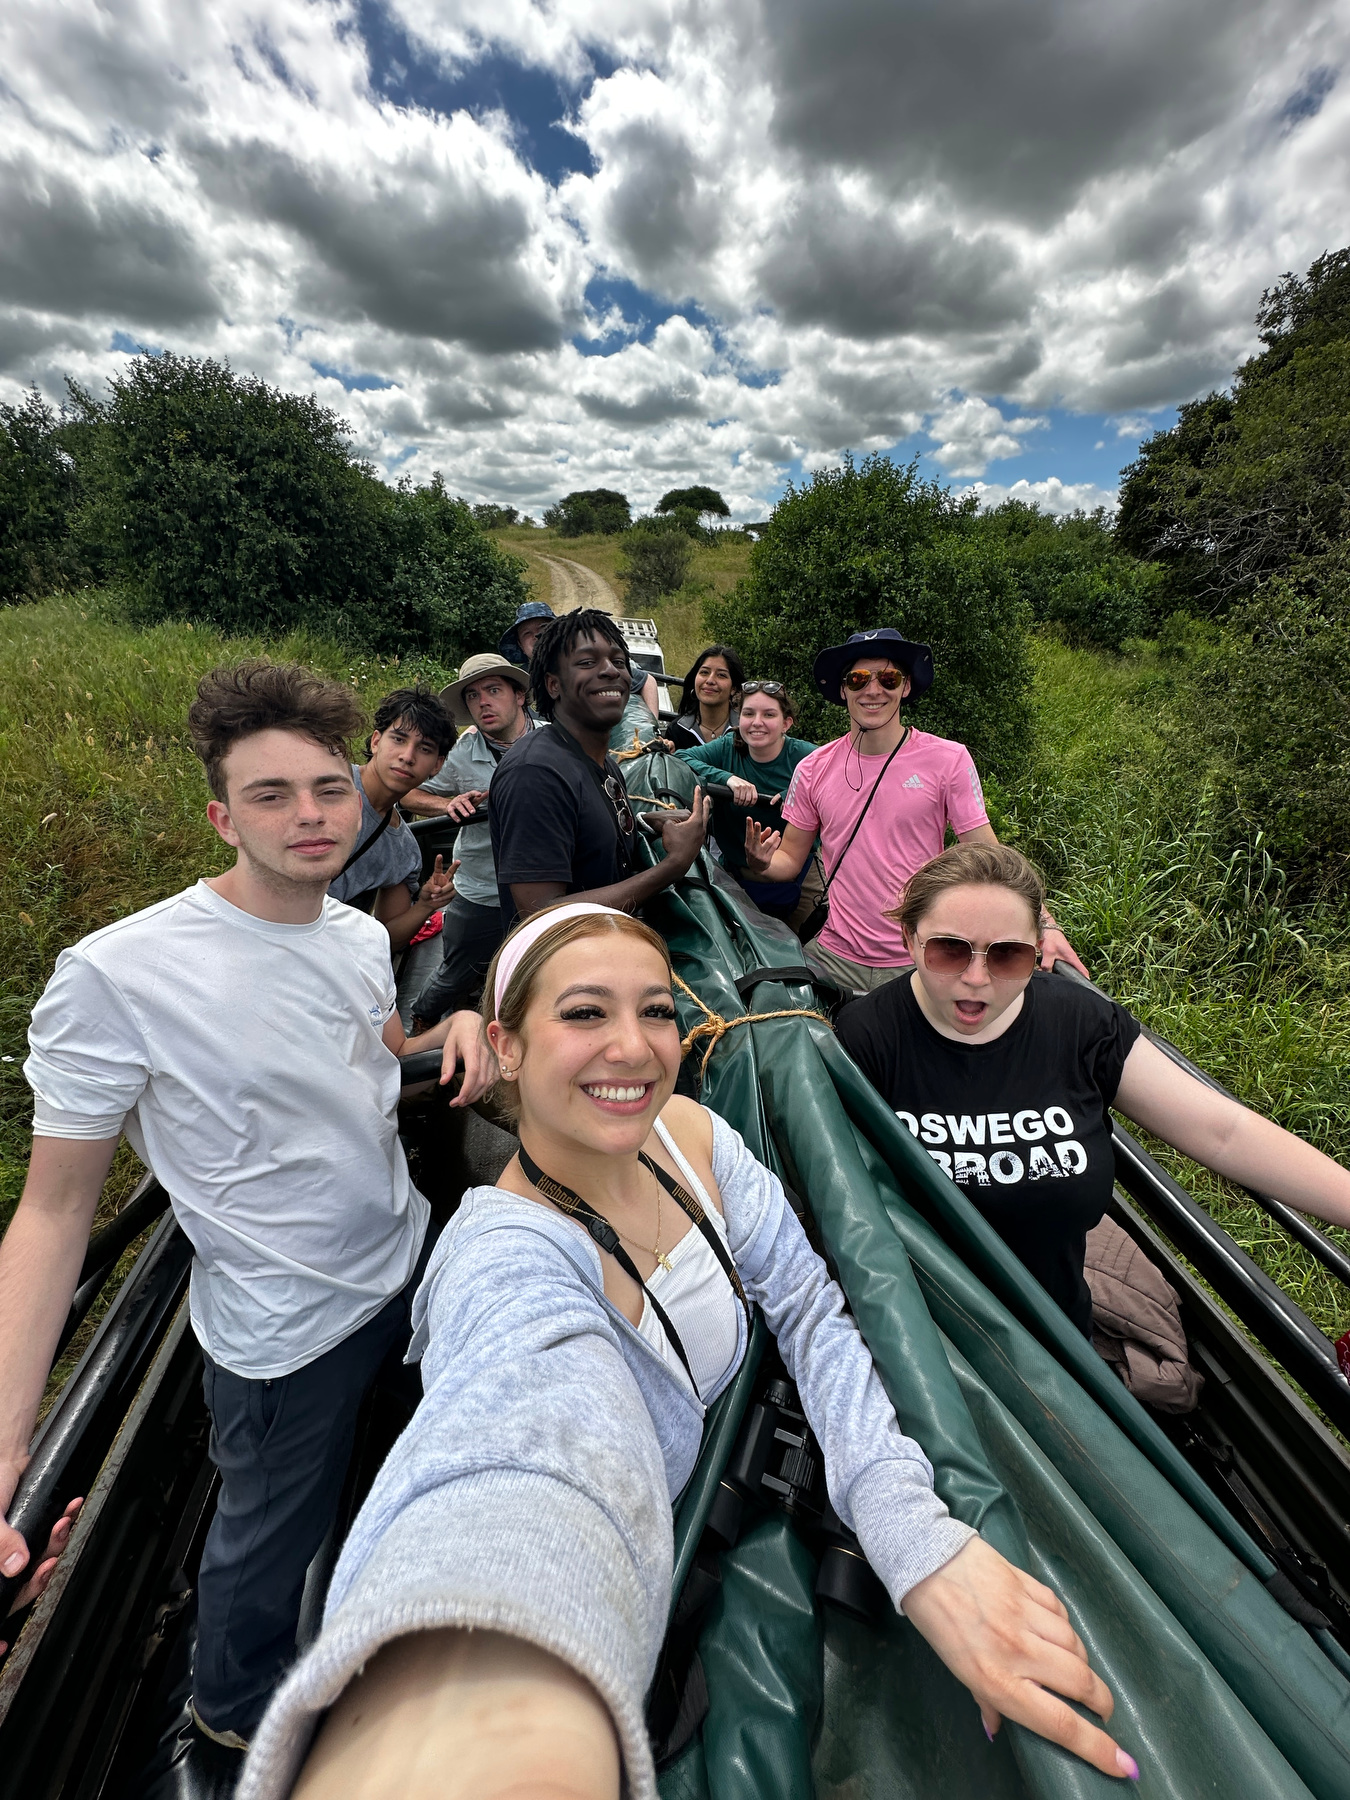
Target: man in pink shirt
<point>881,799</point>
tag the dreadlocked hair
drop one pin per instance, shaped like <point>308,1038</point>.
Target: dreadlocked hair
<point>557,639</point>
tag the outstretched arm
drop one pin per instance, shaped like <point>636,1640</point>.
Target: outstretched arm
<point>1228,1137</point>
<point>40,1262</point>
<point>464,1715</point>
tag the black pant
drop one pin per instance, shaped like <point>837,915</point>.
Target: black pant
<point>282,1448</point>
<point>470,935</point>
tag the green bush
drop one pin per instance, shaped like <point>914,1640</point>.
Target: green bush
<point>1073,575</point>
<point>871,544</point>
<point>214,497</point>
<point>1273,707</point>
<point>653,563</point>
<point>37,492</point>
<point>589,510</point>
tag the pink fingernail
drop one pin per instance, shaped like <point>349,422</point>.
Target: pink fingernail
<point>1127,1765</point>
<point>989,1734</point>
<point>14,1563</point>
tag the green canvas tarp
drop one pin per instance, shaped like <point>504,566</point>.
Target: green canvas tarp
<point>1033,1440</point>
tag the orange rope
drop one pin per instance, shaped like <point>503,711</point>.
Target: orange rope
<point>715,1027</point>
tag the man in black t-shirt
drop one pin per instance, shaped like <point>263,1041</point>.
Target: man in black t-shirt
<point>1021,1123</point>
<point>558,808</point>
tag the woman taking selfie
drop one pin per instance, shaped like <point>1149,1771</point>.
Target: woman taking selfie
<point>1007,1077</point>
<point>708,698</point>
<point>497,1612</point>
<point>757,757</point>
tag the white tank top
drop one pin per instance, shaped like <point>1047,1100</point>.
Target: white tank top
<point>695,1293</point>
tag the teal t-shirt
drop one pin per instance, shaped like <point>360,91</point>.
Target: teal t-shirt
<point>723,757</point>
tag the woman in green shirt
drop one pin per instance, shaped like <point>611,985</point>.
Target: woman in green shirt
<point>757,757</point>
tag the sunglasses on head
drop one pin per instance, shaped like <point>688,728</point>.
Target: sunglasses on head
<point>773,688</point>
<point>1011,961</point>
<point>857,679</point>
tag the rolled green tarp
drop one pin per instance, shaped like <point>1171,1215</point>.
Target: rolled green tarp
<point>1033,1440</point>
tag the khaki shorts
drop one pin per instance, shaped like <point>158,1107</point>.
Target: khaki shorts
<point>851,976</point>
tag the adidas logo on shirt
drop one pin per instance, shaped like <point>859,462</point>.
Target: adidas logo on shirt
<point>914,781</point>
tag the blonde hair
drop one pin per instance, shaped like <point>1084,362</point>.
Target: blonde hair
<point>520,989</point>
<point>968,865</point>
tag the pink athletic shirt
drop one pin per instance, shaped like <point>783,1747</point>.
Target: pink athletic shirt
<point>931,784</point>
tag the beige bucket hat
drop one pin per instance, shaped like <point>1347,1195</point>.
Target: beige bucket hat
<point>487,662</point>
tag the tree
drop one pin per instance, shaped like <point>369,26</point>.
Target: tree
<point>589,510</point>
<point>653,564</point>
<point>495,518</point>
<point>210,495</point>
<point>871,544</point>
<point>1247,484</point>
<point>697,500</point>
<point>37,492</point>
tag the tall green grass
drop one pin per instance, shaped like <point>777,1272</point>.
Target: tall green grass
<point>1200,944</point>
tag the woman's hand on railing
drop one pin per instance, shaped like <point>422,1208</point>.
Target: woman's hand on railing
<point>1008,1638</point>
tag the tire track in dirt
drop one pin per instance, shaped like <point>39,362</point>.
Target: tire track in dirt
<point>574,586</point>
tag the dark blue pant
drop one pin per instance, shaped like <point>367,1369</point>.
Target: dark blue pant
<point>470,935</point>
<point>282,1448</point>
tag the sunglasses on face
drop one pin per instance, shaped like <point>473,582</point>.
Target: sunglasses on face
<point>1012,961</point>
<point>857,679</point>
<point>618,799</point>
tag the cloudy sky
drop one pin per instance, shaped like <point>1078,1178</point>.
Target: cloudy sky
<point>551,244</point>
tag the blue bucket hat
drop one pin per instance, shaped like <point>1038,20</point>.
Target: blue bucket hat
<point>915,659</point>
<point>510,644</point>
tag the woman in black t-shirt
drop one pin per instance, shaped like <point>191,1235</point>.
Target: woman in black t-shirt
<point>1007,1076</point>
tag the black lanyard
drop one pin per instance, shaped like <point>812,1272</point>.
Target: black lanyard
<point>571,1203</point>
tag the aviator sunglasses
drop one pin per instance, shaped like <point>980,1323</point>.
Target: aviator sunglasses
<point>857,679</point>
<point>1011,961</point>
<point>617,795</point>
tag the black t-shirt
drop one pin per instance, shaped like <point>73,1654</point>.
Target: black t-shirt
<point>551,819</point>
<point>1021,1124</point>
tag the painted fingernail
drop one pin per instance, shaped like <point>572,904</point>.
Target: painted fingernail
<point>12,1564</point>
<point>1127,1765</point>
<point>989,1734</point>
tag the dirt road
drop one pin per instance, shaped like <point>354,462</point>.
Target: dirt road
<point>574,585</point>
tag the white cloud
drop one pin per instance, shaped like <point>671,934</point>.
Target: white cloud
<point>973,434</point>
<point>854,219</point>
<point>1052,495</point>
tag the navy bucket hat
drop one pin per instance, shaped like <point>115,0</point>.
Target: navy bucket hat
<point>915,659</point>
<point>510,644</point>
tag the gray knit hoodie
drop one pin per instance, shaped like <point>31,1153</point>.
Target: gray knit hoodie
<point>532,1491</point>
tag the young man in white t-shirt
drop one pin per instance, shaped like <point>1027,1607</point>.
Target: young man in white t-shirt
<point>880,799</point>
<point>243,1035</point>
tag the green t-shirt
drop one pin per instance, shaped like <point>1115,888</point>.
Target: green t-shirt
<point>723,757</point>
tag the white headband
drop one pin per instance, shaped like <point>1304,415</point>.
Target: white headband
<point>526,935</point>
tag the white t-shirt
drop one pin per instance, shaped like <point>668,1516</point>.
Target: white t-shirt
<point>245,1063</point>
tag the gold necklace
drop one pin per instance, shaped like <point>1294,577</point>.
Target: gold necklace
<point>662,1259</point>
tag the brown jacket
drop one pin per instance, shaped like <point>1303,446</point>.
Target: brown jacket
<point>1136,1321</point>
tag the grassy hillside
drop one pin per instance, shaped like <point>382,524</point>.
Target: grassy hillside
<point>715,569</point>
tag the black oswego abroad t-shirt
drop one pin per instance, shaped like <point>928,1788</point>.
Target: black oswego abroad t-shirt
<point>1020,1124</point>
